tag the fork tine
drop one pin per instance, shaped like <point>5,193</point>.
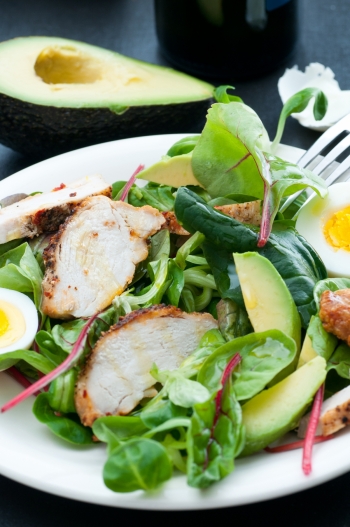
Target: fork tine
<point>332,155</point>
<point>338,172</point>
<point>324,140</point>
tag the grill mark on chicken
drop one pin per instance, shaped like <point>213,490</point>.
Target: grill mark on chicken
<point>116,375</point>
<point>45,212</point>
<point>249,212</point>
<point>95,238</point>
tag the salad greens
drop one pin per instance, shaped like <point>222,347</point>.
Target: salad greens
<point>298,264</point>
<point>195,423</point>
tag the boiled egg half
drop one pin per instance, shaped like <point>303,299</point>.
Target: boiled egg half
<point>325,224</point>
<point>18,321</point>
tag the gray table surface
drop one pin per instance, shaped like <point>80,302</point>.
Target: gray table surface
<point>127,26</point>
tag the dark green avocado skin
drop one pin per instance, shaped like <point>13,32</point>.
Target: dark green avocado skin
<point>45,131</point>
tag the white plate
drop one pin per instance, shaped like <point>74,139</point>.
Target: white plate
<point>30,454</point>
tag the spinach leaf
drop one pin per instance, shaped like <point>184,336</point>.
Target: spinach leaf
<point>183,146</point>
<point>296,104</point>
<point>323,343</point>
<point>138,464</point>
<point>264,355</point>
<point>67,427</point>
<point>295,260</point>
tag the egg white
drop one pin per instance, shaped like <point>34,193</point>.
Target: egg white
<point>311,221</point>
<point>29,312</point>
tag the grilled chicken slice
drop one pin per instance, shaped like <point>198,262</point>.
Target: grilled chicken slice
<point>335,313</point>
<point>45,212</point>
<point>335,415</point>
<point>92,257</point>
<point>116,376</point>
<point>249,212</point>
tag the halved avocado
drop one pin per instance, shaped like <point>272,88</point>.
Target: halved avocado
<point>58,95</point>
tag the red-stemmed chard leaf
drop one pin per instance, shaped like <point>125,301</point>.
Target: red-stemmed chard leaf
<point>232,157</point>
<point>280,179</point>
<point>130,183</point>
<point>236,359</point>
<point>215,436</point>
<point>296,444</point>
<point>68,363</point>
<point>311,430</point>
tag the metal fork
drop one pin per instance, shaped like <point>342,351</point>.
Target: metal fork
<point>320,168</point>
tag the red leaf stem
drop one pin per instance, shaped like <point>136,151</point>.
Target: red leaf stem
<point>296,444</point>
<point>130,183</point>
<point>265,225</point>
<point>311,430</point>
<point>63,367</point>
<point>236,359</point>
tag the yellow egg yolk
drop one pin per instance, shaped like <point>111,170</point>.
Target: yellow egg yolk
<point>12,324</point>
<point>337,229</point>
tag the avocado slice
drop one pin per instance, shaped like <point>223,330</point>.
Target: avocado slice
<point>58,94</point>
<point>267,299</point>
<point>307,352</point>
<point>274,412</point>
<point>173,171</point>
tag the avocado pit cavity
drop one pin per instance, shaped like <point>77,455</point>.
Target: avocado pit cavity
<point>67,65</point>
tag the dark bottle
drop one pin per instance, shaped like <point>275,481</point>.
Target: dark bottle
<point>226,39</point>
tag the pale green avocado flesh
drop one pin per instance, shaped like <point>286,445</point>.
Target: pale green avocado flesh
<point>274,412</point>
<point>267,299</point>
<point>61,72</point>
<point>173,171</point>
<point>58,95</point>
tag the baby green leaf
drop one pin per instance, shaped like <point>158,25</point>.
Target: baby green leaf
<point>138,464</point>
<point>296,104</point>
<point>221,95</point>
<point>67,427</point>
<point>183,146</point>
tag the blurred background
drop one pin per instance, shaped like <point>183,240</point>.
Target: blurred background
<point>128,26</point>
